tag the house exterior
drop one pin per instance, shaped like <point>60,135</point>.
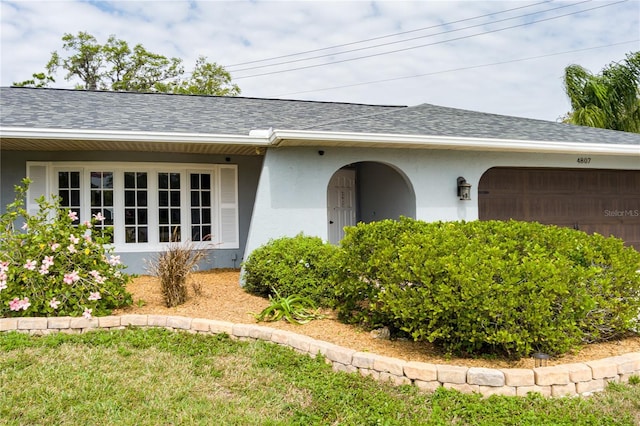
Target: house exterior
<point>231,173</point>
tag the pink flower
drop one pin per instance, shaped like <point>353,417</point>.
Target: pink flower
<point>72,248</point>
<point>44,270</point>
<point>17,304</point>
<point>95,296</point>
<point>96,276</point>
<point>3,284</point>
<point>30,265</point>
<point>71,278</point>
<point>87,238</point>
<point>73,215</point>
<point>54,303</point>
<point>4,266</point>
<point>14,305</point>
<point>87,313</point>
<point>114,260</point>
<point>25,226</point>
<point>73,239</point>
<point>99,217</point>
<point>48,261</point>
<point>87,224</point>
<point>55,246</point>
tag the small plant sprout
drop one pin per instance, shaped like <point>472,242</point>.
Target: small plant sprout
<point>293,309</point>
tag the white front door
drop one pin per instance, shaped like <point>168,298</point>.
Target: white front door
<point>341,203</point>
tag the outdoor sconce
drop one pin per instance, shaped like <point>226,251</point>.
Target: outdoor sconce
<point>464,189</point>
<point>540,359</point>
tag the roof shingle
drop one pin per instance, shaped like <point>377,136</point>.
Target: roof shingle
<point>147,112</point>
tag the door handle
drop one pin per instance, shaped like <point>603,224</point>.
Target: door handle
<point>330,222</point>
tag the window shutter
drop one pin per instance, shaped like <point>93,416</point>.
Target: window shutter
<point>38,187</point>
<point>229,207</point>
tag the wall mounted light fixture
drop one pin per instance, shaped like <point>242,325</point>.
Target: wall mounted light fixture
<point>464,189</point>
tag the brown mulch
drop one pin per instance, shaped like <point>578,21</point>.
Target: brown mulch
<point>223,299</point>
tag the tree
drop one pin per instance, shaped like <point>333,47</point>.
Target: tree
<point>207,78</point>
<point>609,100</point>
<point>118,67</point>
<point>39,80</point>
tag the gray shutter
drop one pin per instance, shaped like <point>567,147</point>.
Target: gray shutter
<point>229,207</point>
<point>38,187</point>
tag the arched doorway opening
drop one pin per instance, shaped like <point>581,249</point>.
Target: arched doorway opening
<point>365,192</point>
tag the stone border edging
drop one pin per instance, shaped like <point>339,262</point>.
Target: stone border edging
<point>560,380</point>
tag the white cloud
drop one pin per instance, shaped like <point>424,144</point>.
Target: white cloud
<point>232,32</point>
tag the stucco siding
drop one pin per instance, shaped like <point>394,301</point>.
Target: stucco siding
<point>285,192</point>
<point>292,191</point>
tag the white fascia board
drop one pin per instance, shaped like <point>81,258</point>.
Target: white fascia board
<point>445,142</point>
<point>115,135</point>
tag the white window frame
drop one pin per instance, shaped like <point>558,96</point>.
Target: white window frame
<point>152,170</point>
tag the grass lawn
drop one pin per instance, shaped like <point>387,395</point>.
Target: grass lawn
<point>154,376</point>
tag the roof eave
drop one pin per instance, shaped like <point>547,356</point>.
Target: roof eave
<point>377,140</point>
<point>282,138</point>
<point>132,136</point>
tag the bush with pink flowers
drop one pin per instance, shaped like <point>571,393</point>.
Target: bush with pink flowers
<point>50,266</point>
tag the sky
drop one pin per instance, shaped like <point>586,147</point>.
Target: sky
<point>504,57</point>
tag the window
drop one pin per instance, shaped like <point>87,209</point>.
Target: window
<point>101,196</point>
<point>135,207</point>
<point>69,191</point>
<point>169,207</point>
<point>200,192</point>
<point>148,205</point>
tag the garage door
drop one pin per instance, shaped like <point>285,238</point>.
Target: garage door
<point>602,201</point>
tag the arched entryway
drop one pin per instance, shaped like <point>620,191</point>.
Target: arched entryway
<point>365,192</point>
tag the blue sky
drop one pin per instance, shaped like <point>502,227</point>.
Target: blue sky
<point>504,57</point>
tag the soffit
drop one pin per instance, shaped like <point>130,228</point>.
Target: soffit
<point>20,144</point>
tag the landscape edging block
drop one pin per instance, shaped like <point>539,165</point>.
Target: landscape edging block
<point>558,380</point>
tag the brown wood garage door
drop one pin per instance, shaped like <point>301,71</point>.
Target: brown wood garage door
<point>602,201</point>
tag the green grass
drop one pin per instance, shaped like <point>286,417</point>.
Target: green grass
<point>154,376</point>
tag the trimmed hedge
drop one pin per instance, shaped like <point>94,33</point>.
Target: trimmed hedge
<point>300,265</point>
<point>509,288</point>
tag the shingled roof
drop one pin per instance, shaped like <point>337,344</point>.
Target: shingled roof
<point>146,112</point>
<point>436,120</point>
<point>159,112</point>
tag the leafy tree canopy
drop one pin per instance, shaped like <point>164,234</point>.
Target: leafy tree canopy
<point>609,100</point>
<point>118,67</point>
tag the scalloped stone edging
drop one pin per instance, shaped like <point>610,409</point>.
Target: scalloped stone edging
<point>559,380</point>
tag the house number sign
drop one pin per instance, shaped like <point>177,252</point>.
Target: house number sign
<point>584,160</point>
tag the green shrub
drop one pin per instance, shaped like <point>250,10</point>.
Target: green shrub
<point>489,287</point>
<point>300,265</point>
<point>52,267</point>
<point>366,264</point>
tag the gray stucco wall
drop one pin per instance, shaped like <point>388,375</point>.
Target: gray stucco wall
<point>383,193</point>
<point>13,170</point>
<point>292,193</point>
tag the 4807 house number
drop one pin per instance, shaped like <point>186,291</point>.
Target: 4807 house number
<point>584,160</point>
